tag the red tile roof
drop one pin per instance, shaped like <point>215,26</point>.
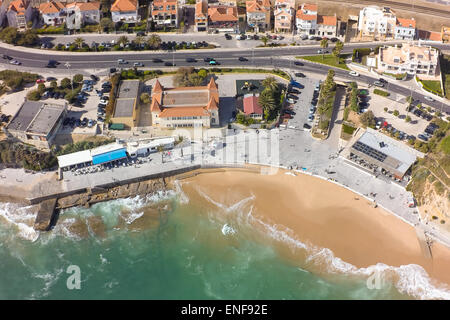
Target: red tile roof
<point>124,5</point>
<point>183,112</point>
<point>251,105</point>
<point>51,7</point>
<point>223,13</point>
<point>327,20</point>
<point>307,17</point>
<point>310,7</point>
<point>407,23</point>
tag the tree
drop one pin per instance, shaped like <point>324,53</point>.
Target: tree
<point>79,42</point>
<point>267,101</point>
<point>270,83</point>
<point>34,95</point>
<point>41,88</point>
<point>195,80</point>
<point>203,73</point>
<point>65,83</point>
<point>386,109</point>
<point>324,45</point>
<point>154,41</point>
<point>107,24</point>
<point>78,78</point>
<point>123,41</point>
<point>396,113</point>
<point>181,78</point>
<point>264,40</point>
<point>408,119</point>
<point>54,84</point>
<point>368,119</point>
<point>139,40</point>
<point>9,35</point>
<point>337,50</point>
<point>145,97</point>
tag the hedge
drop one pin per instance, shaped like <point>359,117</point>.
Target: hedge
<point>381,92</point>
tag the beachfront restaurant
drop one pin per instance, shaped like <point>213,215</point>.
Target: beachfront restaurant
<point>144,148</point>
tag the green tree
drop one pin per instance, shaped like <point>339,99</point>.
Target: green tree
<point>9,35</point>
<point>368,119</point>
<point>337,50</point>
<point>154,41</point>
<point>123,41</point>
<point>79,42</point>
<point>145,97</point>
<point>54,84</point>
<point>396,113</point>
<point>41,88</point>
<point>139,40</point>
<point>107,24</point>
<point>324,45</point>
<point>78,78</point>
<point>195,80</point>
<point>271,83</point>
<point>264,40</point>
<point>65,83</point>
<point>34,95</point>
<point>408,119</point>
<point>386,109</point>
<point>203,73</point>
<point>267,101</point>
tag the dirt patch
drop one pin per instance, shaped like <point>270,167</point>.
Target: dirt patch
<point>354,118</point>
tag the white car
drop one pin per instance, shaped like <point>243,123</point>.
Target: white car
<point>103,102</point>
<point>354,73</point>
<point>428,98</point>
<point>14,62</point>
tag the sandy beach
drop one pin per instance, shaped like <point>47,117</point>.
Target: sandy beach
<point>322,214</point>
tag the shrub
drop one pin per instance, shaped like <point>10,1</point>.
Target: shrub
<point>396,113</point>
<point>34,95</point>
<point>381,92</point>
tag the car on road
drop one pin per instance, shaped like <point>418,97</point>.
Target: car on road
<point>5,56</point>
<point>191,60</point>
<point>428,98</point>
<point>169,64</point>
<point>15,62</point>
<point>378,84</point>
<point>382,80</point>
<point>40,81</point>
<point>354,73</point>
<point>298,63</point>
<point>242,59</point>
<point>320,51</point>
<point>227,36</point>
<point>156,60</point>
<point>299,75</point>
<point>207,59</point>
<point>52,64</point>
<point>213,62</point>
<point>138,64</point>
<point>122,61</point>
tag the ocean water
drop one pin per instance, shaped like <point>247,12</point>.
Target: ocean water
<point>165,246</point>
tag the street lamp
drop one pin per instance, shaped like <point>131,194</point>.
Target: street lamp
<point>67,65</point>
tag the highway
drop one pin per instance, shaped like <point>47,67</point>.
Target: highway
<point>259,57</point>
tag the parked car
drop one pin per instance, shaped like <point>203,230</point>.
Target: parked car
<point>122,61</point>
<point>94,77</point>
<point>354,73</point>
<point>138,64</point>
<point>299,75</point>
<point>306,126</point>
<point>48,79</point>
<point>227,36</point>
<point>40,81</point>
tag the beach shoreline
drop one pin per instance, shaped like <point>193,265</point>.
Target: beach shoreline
<point>323,214</point>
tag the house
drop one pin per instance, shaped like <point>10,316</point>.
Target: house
<point>53,13</point>
<point>126,104</point>
<point>306,19</point>
<point>125,11</point>
<point>405,29</point>
<point>252,108</point>
<point>327,26</point>
<point>377,22</point>
<point>258,15</point>
<point>82,13</point>
<point>165,13</point>
<point>223,17</point>
<point>412,59</point>
<point>19,13</point>
<point>185,106</point>
<point>284,13</point>
<point>429,36</point>
<point>201,15</point>
<point>37,123</point>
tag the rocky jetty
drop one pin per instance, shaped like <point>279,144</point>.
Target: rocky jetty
<point>45,215</point>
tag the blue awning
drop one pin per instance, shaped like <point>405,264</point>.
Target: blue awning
<point>109,156</point>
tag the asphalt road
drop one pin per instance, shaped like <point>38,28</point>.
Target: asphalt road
<point>261,57</point>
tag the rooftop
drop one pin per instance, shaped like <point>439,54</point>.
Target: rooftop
<point>406,23</point>
<point>126,98</point>
<point>399,55</point>
<point>180,98</point>
<point>184,112</point>
<point>327,20</point>
<point>223,13</point>
<point>75,158</point>
<point>124,5</point>
<point>36,117</point>
<point>251,105</point>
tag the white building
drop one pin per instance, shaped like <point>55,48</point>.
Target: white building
<point>422,61</point>
<point>326,26</point>
<point>53,13</point>
<point>306,19</point>
<point>125,11</point>
<point>81,13</point>
<point>405,29</point>
<point>375,21</point>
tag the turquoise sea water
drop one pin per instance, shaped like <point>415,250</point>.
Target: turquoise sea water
<point>164,248</point>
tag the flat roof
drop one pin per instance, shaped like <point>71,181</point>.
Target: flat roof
<point>190,98</point>
<point>128,89</point>
<point>404,155</point>
<point>36,117</point>
<point>126,98</point>
<point>124,108</point>
<point>135,146</point>
<point>106,148</point>
<point>75,158</point>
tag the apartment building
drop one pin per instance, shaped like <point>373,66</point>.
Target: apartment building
<point>166,13</point>
<point>419,60</point>
<point>19,13</point>
<point>125,11</point>
<point>326,26</point>
<point>284,12</point>
<point>306,19</point>
<point>201,15</point>
<point>53,13</point>
<point>377,22</point>
<point>185,106</point>
<point>82,13</point>
<point>405,29</point>
<point>258,15</point>
<point>223,17</point>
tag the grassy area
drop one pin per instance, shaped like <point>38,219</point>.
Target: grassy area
<point>329,60</point>
<point>432,86</point>
<point>445,145</point>
<point>381,92</point>
<point>276,72</point>
<point>445,69</point>
<point>396,76</point>
<point>348,129</point>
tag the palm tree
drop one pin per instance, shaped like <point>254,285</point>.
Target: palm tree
<point>139,40</point>
<point>324,45</point>
<point>123,41</point>
<point>79,42</point>
<point>267,101</point>
<point>154,41</point>
<point>337,50</point>
<point>270,83</point>
<point>264,40</point>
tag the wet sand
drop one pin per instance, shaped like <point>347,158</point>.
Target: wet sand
<point>325,215</point>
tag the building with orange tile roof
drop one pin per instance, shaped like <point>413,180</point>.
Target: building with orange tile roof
<point>284,12</point>
<point>19,13</point>
<point>125,11</point>
<point>306,19</point>
<point>445,34</point>
<point>185,106</point>
<point>412,59</point>
<point>326,26</point>
<point>166,13</point>
<point>429,36</point>
<point>405,29</point>
<point>81,13</point>
<point>223,17</point>
<point>53,13</point>
<point>201,15</point>
<point>258,15</point>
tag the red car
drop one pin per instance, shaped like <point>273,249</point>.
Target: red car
<point>40,81</point>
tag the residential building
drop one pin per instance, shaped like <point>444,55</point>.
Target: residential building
<point>53,13</point>
<point>223,17</point>
<point>127,104</point>
<point>429,36</point>
<point>201,15</point>
<point>422,61</point>
<point>37,123</point>
<point>405,29</point>
<point>327,26</point>
<point>445,34</point>
<point>125,11</point>
<point>252,108</point>
<point>165,13</point>
<point>306,19</point>
<point>3,9</point>
<point>82,13</point>
<point>185,106</point>
<point>19,13</point>
<point>377,22</point>
<point>258,15</point>
<point>284,12</point>
<point>385,154</point>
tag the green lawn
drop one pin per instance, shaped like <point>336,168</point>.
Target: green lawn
<point>445,69</point>
<point>348,129</point>
<point>328,59</point>
<point>434,86</point>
